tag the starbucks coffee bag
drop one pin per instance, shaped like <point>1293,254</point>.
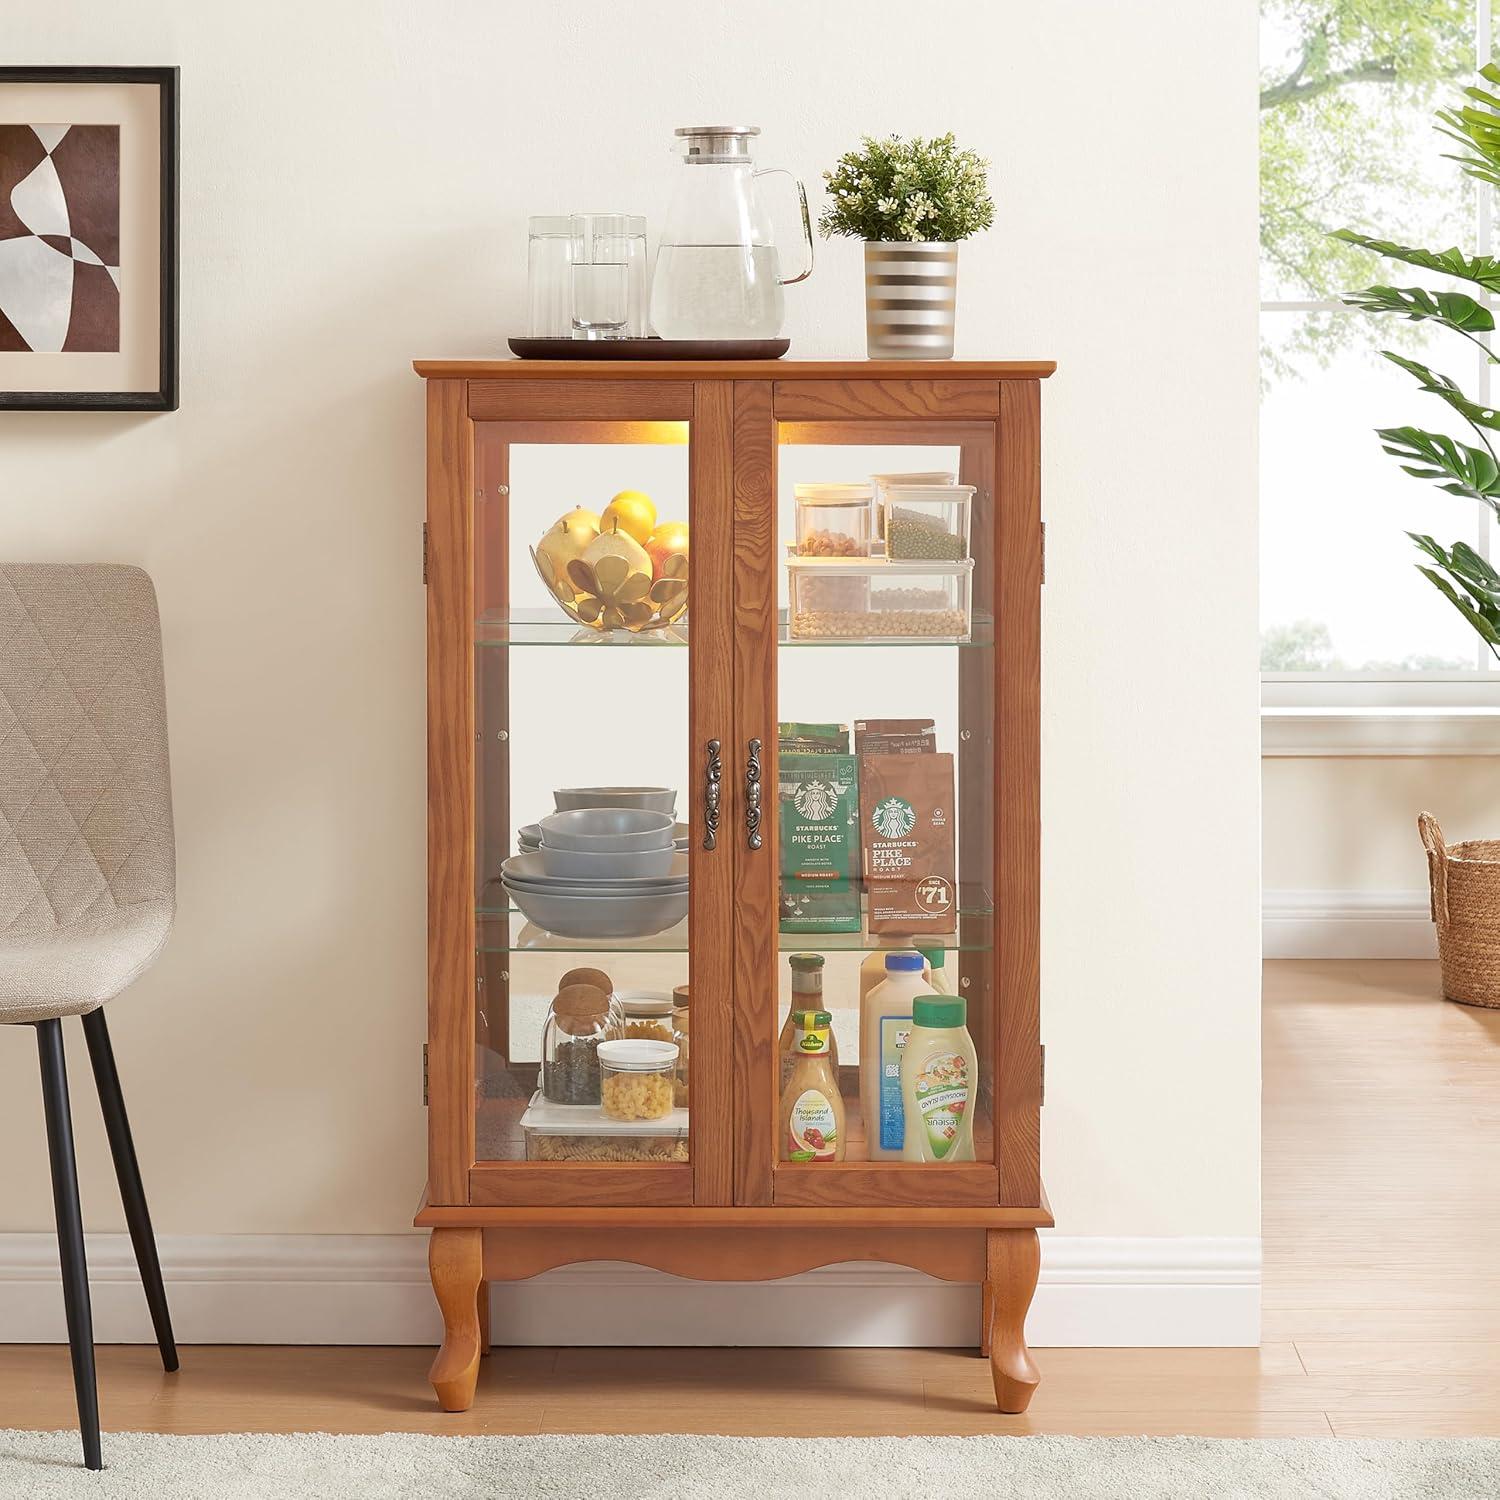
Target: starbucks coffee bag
<point>818,806</point>
<point>907,835</point>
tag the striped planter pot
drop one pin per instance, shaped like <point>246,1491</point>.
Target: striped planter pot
<point>911,297</point>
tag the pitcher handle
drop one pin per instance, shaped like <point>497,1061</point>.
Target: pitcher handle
<point>807,234</point>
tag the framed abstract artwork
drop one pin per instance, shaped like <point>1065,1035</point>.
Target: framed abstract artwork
<point>88,239</point>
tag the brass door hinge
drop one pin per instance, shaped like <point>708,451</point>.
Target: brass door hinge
<point>424,551</point>
<point>424,1073</point>
<point>1044,552</point>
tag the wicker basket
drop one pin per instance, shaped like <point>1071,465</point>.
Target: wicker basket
<point>1466,907</point>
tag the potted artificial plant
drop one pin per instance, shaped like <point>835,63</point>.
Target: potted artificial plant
<point>1465,877</point>
<point>911,202</point>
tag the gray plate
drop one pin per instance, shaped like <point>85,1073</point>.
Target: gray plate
<point>525,869</point>
<point>612,829</point>
<point>529,836</point>
<point>602,917</point>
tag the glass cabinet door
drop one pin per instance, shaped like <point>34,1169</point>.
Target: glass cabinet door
<point>880,776</point>
<point>590,605</point>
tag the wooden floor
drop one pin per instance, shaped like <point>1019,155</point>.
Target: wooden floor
<point>1382,1292</point>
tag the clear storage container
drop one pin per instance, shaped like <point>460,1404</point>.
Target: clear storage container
<point>562,1132</point>
<point>680,1031</point>
<point>645,1015</point>
<point>832,598</point>
<point>926,523</point>
<point>834,520</point>
<point>578,1021</point>
<point>637,1080</point>
<point>881,481</point>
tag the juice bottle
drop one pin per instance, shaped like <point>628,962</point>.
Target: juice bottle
<point>872,969</point>
<point>884,1023</point>
<point>812,1109</point>
<point>937,978</point>
<point>939,1078</point>
<point>807,994</point>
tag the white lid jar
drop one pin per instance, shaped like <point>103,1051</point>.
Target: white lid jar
<point>834,520</point>
<point>637,1079</point>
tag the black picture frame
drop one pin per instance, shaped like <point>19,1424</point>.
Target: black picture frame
<point>165,396</point>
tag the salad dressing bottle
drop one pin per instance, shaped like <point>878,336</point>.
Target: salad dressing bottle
<point>939,1079</point>
<point>807,994</point>
<point>812,1109</point>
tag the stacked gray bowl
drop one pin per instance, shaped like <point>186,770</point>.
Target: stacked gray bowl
<point>607,865</point>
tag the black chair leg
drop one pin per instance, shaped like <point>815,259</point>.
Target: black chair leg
<point>70,1235</point>
<point>128,1173</point>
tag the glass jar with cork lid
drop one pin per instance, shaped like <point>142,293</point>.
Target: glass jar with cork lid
<point>577,1022</point>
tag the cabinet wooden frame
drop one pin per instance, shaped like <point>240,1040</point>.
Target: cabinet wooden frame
<point>738,416</point>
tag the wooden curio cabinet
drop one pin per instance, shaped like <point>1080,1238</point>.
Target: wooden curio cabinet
<point>522,699</point>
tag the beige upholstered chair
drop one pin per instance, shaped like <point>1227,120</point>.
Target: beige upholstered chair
<point>87,872</point>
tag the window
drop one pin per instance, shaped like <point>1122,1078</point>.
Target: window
<point>1348,94</point>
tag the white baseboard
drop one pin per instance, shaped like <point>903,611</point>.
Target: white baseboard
<point>1347,924</point>
<point>373,1289</point>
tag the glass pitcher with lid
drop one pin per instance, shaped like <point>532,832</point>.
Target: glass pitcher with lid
<point>718,275</point>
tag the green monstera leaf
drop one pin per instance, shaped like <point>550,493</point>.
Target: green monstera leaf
<point>1454,466</point>
<point>1455,310</point>
<point>1476,127</point>
<point>1472,412</point>
<point>1467,582</point>
<point>1483,270</point>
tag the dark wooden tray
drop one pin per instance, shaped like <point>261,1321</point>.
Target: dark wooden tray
<point>652,348</point>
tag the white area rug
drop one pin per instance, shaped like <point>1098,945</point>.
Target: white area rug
<point>396,1466</point>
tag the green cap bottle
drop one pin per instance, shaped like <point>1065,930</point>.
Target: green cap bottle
<point>940,1012</point>
<point>812,1031</point>
<point>932,952</point>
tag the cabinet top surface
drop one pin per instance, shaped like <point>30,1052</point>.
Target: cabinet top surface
<point>734,369</point>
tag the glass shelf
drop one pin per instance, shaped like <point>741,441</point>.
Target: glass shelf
<point>982,636</point>
<point>543,628</point>
<point>500,928</point>
<point>540,627</point>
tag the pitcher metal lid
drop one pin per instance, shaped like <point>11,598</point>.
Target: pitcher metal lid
<point>716,143</point>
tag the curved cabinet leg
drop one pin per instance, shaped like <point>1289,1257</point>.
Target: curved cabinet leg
<point>1012,1259</point>
<point>986,1317</point>
<point>455,1258</point>
<point>484,1317</point>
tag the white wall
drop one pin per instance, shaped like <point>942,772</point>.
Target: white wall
<point>1350,823</point>
<point>356,178</point>
<point>1345,872</point>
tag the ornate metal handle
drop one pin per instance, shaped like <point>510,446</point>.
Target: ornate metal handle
<point>712,776</point>
<point>752,796</point>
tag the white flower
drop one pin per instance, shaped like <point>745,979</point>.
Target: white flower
<point>886,206</point>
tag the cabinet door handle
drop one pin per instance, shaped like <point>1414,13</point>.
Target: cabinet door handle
<point>752,796</point>
<point>713,775</point>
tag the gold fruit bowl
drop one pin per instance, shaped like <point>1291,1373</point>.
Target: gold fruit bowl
<point>613,595</point>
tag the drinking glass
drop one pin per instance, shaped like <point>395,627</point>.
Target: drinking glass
<point>609,275</point>
<point>549,278</point>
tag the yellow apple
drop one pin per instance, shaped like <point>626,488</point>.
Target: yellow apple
<point>567,537</point>
<point>614,541</point>
<point>668,540</point>
<point>633,511</point>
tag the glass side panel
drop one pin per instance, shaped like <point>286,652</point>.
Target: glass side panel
<point>884,789</point>
<point>602,718</point>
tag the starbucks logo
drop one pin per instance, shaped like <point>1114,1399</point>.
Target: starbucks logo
<point>894,818</point>
<point>815,800</point>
